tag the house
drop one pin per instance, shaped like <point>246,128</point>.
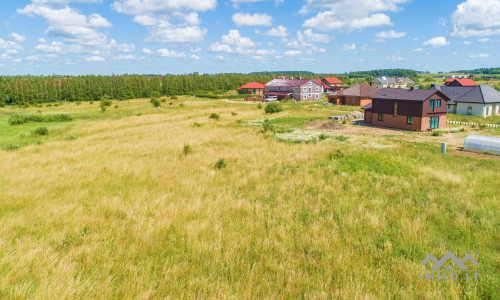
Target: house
<point>460,82</point>
<point>410,109</point>
<point>358,95</point>
<point>252,88</point>
<point>333,84</point>
<point>326,88</point>
<point>481,100</point>
<point>298,89</point>
<point>392,82</point>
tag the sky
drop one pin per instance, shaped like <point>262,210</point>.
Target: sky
<point>77,37</point>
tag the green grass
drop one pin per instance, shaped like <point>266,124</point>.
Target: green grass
<point>473,119</point>
<point>123,210</point>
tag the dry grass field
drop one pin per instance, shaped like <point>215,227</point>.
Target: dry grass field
<point>129,204</point>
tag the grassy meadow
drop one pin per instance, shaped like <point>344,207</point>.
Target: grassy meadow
<point>130,204</point>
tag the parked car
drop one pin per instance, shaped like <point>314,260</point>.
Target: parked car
<point>271,99</point>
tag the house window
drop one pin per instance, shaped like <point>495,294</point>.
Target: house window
<point>409,120</point>
<point>317,96</point>
<point>395,109</point>
<point>305,97</point>
<point>431,105</point>
<point>438,102</point>
<point>353,101</point>
<point>317,89</point>
<point>433,122</point>
<point>295,89</point>
<point>488,111</point>
<point>449,106</point>
<point>305,89</point>
<point>469,110</point>
<point>381,117</point>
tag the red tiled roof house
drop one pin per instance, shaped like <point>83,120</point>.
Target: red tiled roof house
<point>460,82</point>
<point>252,88</point>
<point>358,95</point>
<point>298,89</point>
<point>409,109</point>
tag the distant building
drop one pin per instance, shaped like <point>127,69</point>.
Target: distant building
<point>333,84</point>
<point>252,88</point>
<point>326,88</point>
<point>392,82</point>
<point>410,109</point>
<point>298,89</point>
<point>358,95</point>
<point>460,82</point>
<point>452,92</point>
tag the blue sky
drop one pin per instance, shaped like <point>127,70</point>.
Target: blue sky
<point>210,36</point>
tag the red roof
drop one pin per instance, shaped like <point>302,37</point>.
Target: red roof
<point>321,82</point>
<point>252,85</point>
<point>462,81</point>
<point>333,80</point>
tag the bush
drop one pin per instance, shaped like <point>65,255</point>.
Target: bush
<point>234,114</point>
<point>103,106</point>
<point>437,133</point>
<point>22,119</point>
<point>482,126</point>
<point>335,155</point>
<point>272,108</point>
<point>107,102</point>
<point>187,149</point>
<point>214,116</point>
<point>173,97</point>
<point>220,164</point>
<point>259,106</point>
<point>181,105</point>
<point>196,124</point>
<point>323,136</point>
<point>156,103</point>
<point>41,131</point>
<point>267,126</point>
<point>341,138</point>
<point>10,147</point>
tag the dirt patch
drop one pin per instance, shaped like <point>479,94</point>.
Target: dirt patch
<point>324,125</point>
<point>459,151</point>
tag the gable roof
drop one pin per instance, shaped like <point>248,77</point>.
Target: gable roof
<point>252,85</point>
<point>333,80</point>
<point>322,83</point>
<point>453,92</point>
<point>289,82</point>
<point>394,80</point>
<point>462,81</point>
<point>358,90</point>
<point>480,94</point>
<point>407,94</point>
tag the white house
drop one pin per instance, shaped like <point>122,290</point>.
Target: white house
<point>482,100</point>
<point>298,89</point>
<point>392,82</point>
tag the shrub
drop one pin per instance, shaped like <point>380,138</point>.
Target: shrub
<point>214,116</point>
<point>181,105</point>
<point>163,100</point>
<point>91,102</point>
<point>344,122</point>
<point>139,114</point>
<point>220,164</point>
<point>196,124</point>
<point>70,137</point>
<point>323,136</point>
<point>170,103</point>
<point>103,106</point>
<point>482,126</point>
<point>21,119</point>
<point>78,102</point>
<point>234,114</point>
<point>267,126</point>
<point>156,103</point>
<point>335,155</point>
<point>272,108</point>
<point>187,149</point>
<point>107,102</point>
<point>173,97</point>
<point>341,138</point>
<point>437,133</point>
<point>259,106</point>
<point>41,131</point>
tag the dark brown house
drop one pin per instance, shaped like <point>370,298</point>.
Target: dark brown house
<point>358,95</point>
<point>410,109</point>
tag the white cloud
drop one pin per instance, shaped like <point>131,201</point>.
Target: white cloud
<point>236,3</point>
<point>147,51</point>
<point>233,42</point>
<point>145,20</point>
<point>476,18</point>
<point>481,55</point>
<point>438,41</point>
<point>95,58</point>
<point>164,32</point>
<point>388,35</point>
<point>396,58</point>
<point>170,53</point>
<point>280,31</point>
<point>306,41</point>
<point>148,7</point>
<point>293,52</point>
<point>17,38</point>
<point>348,47</point>
<point>418,50</point>
<point>466,42</point>
<point>483,40</point>
<point>195,57</point>
<point>348,15</point>
<point>241,19</point>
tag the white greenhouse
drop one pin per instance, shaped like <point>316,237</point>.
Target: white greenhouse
<point>482,144</point>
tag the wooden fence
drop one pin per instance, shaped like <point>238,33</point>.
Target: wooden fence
<point>473,124</point>
<point>254,99</point>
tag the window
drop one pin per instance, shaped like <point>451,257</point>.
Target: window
<point>409,120</point>
<point>433,122</point>
<point>317,89</point>
<point>305,89</point>
<point>469,110</point>
<point>395,109</point>
<point>381,117</point>
<point>488,111</point>
<point>295,89</point>
<point>317,96</point>
<point>431,105</point>
<point>449,106</point>
<point>305,97</point>
<point>310,83</point>
<point>438,102</point>
<point>353,101</point>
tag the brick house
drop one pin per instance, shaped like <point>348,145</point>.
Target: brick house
<point>252,88</point>
<point>298,89</point>
<point>358,95</point>
<point>409,109</point>
<point>392,82</point>
<point>460,82</point>
<point>332,84</point>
